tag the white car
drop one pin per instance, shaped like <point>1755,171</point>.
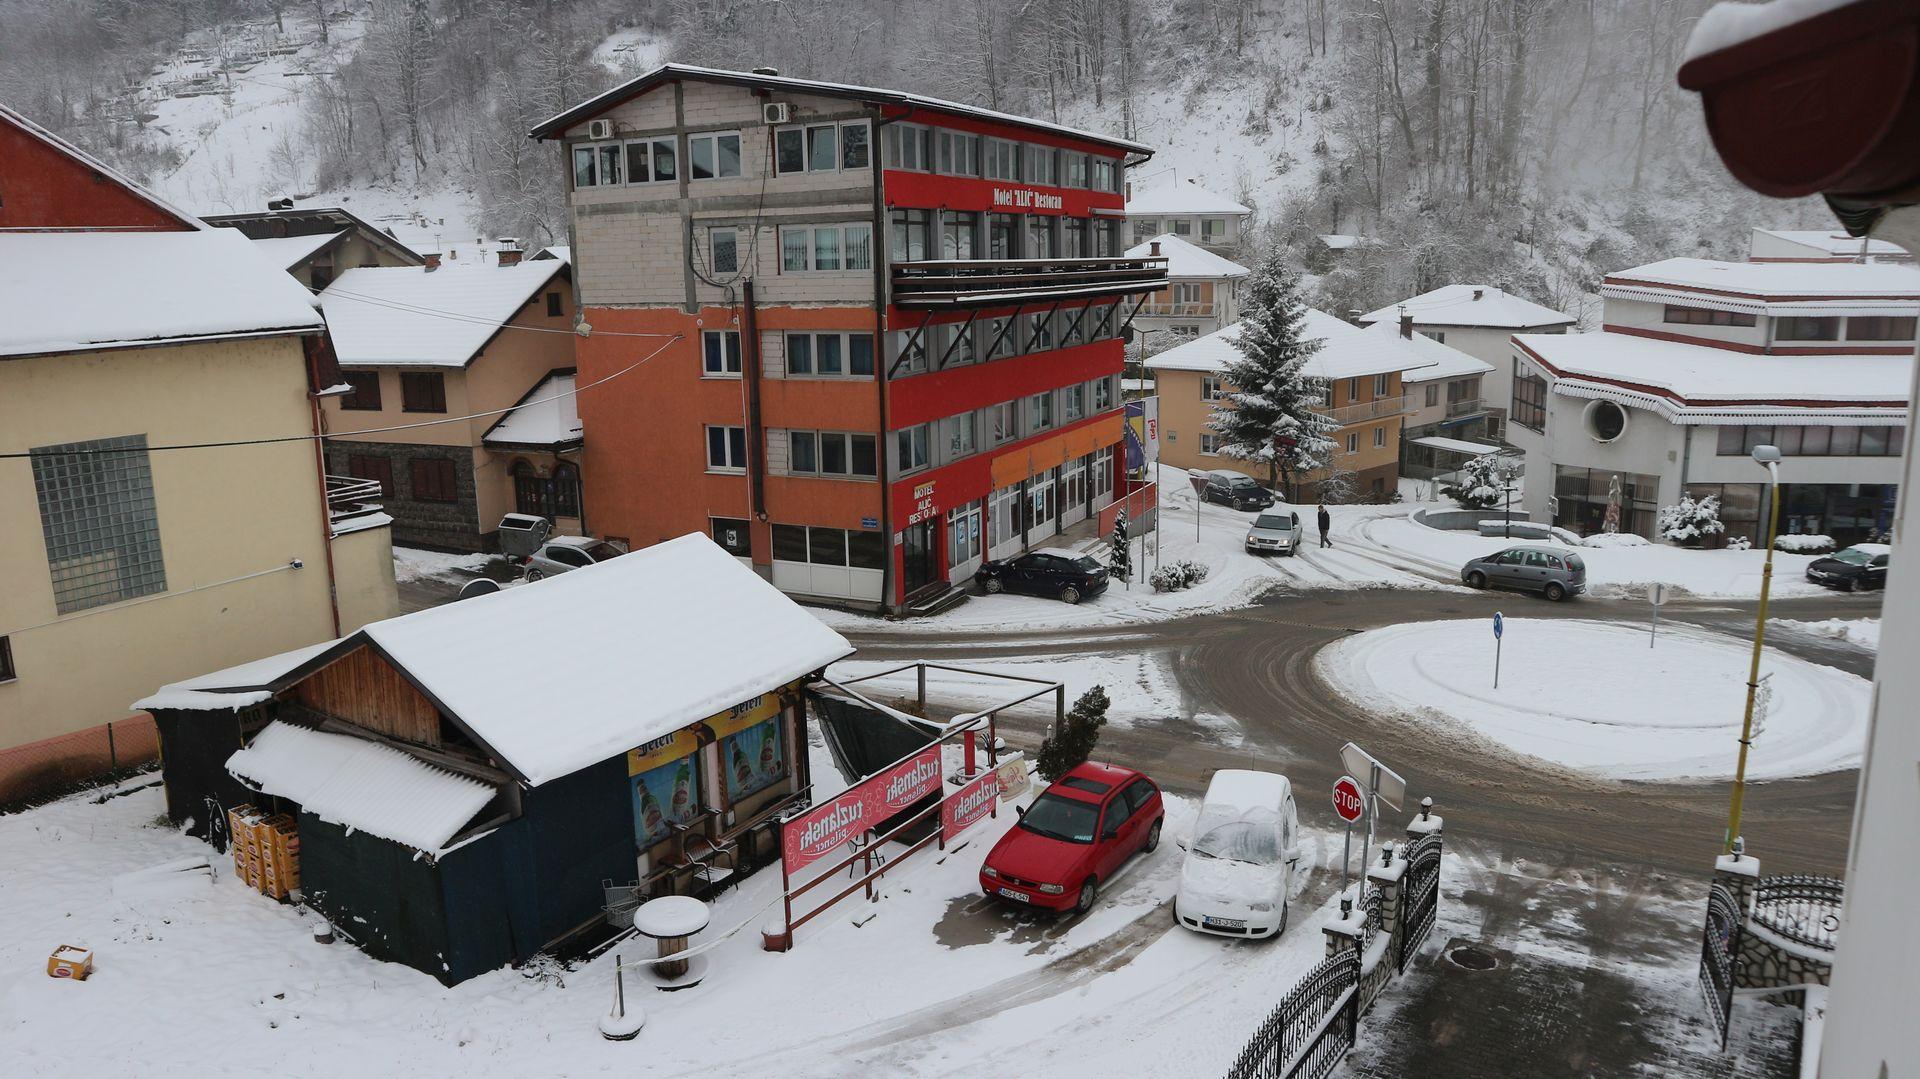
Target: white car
<point>562,553</point>
<point>1241,861</point>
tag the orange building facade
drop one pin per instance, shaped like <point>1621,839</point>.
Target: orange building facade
<point>864,340</point>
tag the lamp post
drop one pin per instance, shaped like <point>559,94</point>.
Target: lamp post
<point>1769,458</point>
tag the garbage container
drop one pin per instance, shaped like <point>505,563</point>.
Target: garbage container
<point>521,534</point>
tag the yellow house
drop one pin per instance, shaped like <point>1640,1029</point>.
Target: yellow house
<point>492,342</point>
<point>1365,399</point>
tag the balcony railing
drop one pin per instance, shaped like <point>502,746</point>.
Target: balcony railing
<point>350,496</point>
<point>1177,310</point>
<point>1367,410</point>
<point>1466,406</point>
<point>1006,282</point>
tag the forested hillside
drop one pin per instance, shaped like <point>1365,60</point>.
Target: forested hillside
<point>1532,144</point>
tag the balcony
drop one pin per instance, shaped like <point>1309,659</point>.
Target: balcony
<point>958,285</point>
<point>1466,406</point>
<point>1177,310</point>
<point>350,497</point>
<point>1367,410</point>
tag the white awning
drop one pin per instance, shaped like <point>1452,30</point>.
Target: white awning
<point>361,784</point>
<point>1455,445</point>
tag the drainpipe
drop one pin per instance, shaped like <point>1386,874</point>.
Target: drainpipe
<point>882,256</point>
<point>326,513</point>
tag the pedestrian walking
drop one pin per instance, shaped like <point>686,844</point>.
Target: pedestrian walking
<point>1326,521</point>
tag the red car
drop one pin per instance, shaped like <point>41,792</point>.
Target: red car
<point>1075,835</point>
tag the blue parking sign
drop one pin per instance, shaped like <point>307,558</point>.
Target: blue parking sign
<point>1498,624</point>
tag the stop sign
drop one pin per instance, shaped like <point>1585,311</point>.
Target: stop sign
<point>1347,800</point>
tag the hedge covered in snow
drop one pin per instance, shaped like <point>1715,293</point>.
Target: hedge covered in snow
<point>1175,576</point>
<point>1689,522</point>
<point>1805,544</point>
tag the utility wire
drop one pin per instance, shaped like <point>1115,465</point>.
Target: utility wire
<point>456,316</point>
<point>374,430</point>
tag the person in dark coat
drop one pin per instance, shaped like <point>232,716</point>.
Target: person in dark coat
<point>1326,521</point>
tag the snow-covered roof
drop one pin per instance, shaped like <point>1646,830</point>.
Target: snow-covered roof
<point>563,252</point>
<point>78,291</point>
<point>1345,351</point>
<point>361,784</point>
<point>291,251</point>
<point>1340,241</point>
<point>1470,305</point>
<point>631,649</point>
<point>1836,244</point>
<point>409,316</point>
<point>1696,375</point>
<point>593,106</point>
<point>1182,197</point>
<point>548,416</point>
<point>1186,259</point>
<point>233,687</point>
<point>1779,287</point>
<point>1448,362</point>
<point>1455,445</point>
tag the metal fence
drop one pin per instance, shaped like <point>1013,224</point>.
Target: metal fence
<point>1309,1033</point>
<point>1419,897</point>
<point>44,770</point>
<point>1720,942</point>
<point>1805,910</point>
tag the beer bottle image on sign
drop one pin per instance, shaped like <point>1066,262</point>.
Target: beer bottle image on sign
<point>767,761</point>
<point>650,813</point>
<point>742,771</point>
<point>682,792</point>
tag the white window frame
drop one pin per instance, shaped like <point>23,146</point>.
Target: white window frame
<point>649,142</point>
<point>1000,159</point>
<point>1030,152</point>
<point>1073,402</point>
<point>898,137</point>
<point>949,144</point>
<point>846,339</point>
<point>713,259</point>
<point>813,250</point>
<point>727,467</point>
<point>918,363</point>
<point>1004,418</point>
<point>1353,442</point>
<point>1103,395</point>
<point>1209,444</point>
<point>839,129</point>
<point>730,364</point>
<point>961,437</point>
<point>912,449</point>
<point>1379,438</point>
<point>1382,385</point>
<point>819,469</point>
<point>964,541</point>
<point>1212,387</point>
<point>712,138</point>
<point>1040,414</point>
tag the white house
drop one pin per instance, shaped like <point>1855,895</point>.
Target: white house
<point>1446,417</point>
<point>1190,212</point>
<point>1202,293</point>
<point>1697,363</point>
<point>1478,320</point>
<point>1819,245</point>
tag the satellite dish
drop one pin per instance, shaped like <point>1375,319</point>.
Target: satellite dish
<point>479,586</point>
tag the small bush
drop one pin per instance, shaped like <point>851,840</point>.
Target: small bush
<point>1175,576</point>
<point>1805,544</point>
<point>1689,523</point>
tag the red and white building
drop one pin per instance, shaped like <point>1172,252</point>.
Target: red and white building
<point>885,328</point>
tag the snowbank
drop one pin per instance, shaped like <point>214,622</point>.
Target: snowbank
<point>1864,632</point>
<point>1594,696</point>
<point>412,564</point>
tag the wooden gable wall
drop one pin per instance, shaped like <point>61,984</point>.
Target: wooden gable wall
<point>364,689</point>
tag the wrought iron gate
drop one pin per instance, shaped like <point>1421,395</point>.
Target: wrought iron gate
<point>1309,1033</point>
<point>1420,901</point>
<point>1719,945</point>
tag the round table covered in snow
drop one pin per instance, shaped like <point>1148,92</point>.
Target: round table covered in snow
<point>671,920</point>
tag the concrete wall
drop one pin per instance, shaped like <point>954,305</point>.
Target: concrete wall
<point>363,564</point>
<point>222,513</point>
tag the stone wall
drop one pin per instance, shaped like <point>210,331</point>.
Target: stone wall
<point>448,526</point>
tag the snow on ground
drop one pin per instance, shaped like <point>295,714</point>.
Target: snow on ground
<point>1140,687</point>
<point>1611,571</point>
<point>1863,632</point>
<point>214,979</point>
<point>1235,578</point>
<point>1593,696</point>
<point>413,563</point>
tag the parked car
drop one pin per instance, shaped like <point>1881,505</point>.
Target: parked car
<point>1052,571</point>
<point>1554,572</point>
<point>1236,490</point>
<point>562,553</point>
<point>1857,568</point>
<point>1241,860</point>
<point>1078,833</point>
<point>1275,531</point>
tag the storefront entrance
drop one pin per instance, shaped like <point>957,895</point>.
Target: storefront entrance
<point>920,557</point>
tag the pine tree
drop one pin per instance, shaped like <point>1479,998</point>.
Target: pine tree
<point>1120,559</point>
<point>1269,415</point>
<point>1689,522</point>
<point>1073,742</point>
<point>1483,481</point>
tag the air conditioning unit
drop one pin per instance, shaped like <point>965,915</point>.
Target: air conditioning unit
<point>776,112</point>
<point>599,129</point>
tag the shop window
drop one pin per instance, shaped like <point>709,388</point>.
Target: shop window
<point>733,535</point>
<point>753,759</point>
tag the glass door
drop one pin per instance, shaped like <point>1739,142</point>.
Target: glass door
<point>920,566</point>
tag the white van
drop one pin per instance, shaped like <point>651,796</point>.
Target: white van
<point>1242,857</point>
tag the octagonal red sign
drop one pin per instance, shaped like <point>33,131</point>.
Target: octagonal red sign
<point>1347,799</point>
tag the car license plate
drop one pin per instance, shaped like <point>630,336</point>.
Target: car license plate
<point>1225,923</point>
<point>1021,896</point>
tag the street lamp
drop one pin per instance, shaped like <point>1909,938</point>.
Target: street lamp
<point>1767,457</point>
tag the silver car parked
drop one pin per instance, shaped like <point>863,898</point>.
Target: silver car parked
<point>562,553</point>
<point>1275,531</point>
<point>1554,572</point>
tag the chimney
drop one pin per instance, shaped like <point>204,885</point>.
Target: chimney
<point>1406,323</point>
<point>1479,292</point>
<point>433,261</point>
<point>1153,249</point>
<point>509,251</point>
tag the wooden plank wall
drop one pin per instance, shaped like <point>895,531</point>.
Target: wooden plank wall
<point>361,688</point>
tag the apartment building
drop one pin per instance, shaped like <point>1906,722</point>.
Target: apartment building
<point>1698,362</point>
<point>863,338</point>
<point>1366,399</point>
<point>1202,293</point>
<point>1445,425</point>
<point>1184,208</point>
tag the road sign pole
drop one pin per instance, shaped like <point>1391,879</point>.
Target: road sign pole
<point>1346,861</point>
<point>1499,631</point>
<point>1658,594</point>
<point>1373,809</point>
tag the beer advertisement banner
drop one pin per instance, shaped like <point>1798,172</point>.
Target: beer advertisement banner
<point>826,827</point>
<point>964,807</point>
